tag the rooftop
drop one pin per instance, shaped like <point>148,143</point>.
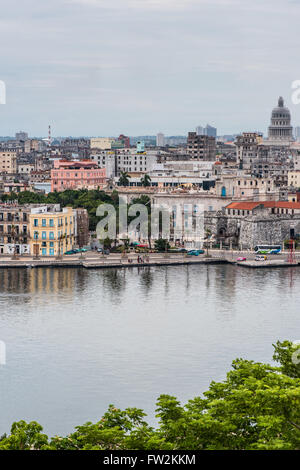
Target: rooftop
<point>250,205</point>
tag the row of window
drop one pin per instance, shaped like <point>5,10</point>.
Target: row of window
<point>44,252</point>
<point>44,235</point>
<point>274,211</point>
<point>13,216</point>
<point>238,212</point>
<point>16,229</point>
<point>11,240</point>
<point>51,235</point>
<point>51,222</point>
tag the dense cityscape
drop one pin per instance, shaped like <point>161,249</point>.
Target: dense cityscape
<point>248,186</point>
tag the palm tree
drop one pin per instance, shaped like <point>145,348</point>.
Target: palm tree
<point>146,181</point>
<point>13,236</point>
<point>207,237</point>
<point>60,239</point>
<point>124,178</point>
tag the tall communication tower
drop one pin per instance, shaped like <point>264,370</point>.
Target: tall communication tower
<point>49,136</point>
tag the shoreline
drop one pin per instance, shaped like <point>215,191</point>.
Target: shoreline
<point>160,260</point>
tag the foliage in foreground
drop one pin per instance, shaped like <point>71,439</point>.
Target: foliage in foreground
<point>256,407</point>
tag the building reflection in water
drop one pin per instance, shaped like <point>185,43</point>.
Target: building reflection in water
<point>113,280</point>
<point>42,280</point>
<point>221,283</point>
<point>146,279</point>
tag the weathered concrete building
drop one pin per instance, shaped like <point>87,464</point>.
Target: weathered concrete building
<point>201,147</point>
<point>8,161</point>
<point>247,151</point>
<point>248,224</point>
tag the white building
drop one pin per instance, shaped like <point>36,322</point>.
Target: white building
<point>125,160</point>
<point>160,140</point>
<point>179,173</point>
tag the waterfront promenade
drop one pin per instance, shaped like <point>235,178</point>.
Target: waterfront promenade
<point>94,260</point>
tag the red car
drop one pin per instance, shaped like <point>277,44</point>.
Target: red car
<point>241,258</point>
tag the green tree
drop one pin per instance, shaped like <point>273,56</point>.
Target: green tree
<point>145,201</point>
<point>124,178</point>
<point>288,355</point>
<point>257,407</point>
<point>146,181</point>
<point>24,436</point>
<point>207,237</point>
<point>162,245</point>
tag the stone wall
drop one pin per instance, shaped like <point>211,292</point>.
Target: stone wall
<point>251,230</point>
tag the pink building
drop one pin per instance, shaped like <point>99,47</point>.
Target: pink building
<point>76,175</point>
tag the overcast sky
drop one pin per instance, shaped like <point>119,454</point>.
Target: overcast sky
<point>105,67</point>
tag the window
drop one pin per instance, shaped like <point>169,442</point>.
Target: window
<point>36,235</point>
<point>51,235</point>
<point>52,244</point>
<point>36,222</point>
<point>44,235</point>
<point>51,223</point>
<point>51,252</point>
<point>44,223</point>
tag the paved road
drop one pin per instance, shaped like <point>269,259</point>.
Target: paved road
<point>93,256</point>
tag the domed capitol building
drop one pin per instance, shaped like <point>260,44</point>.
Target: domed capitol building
<point>280,130</point>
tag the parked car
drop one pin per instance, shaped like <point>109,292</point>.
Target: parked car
<point>101,250</point>
<point>241,258</point>
<point>195,252</point>
<point>71,252</point>
<point>177,250</point>
<point>260,258</point>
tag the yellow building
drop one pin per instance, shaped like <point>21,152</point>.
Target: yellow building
<point>52,232</point>
<point>102,143</point>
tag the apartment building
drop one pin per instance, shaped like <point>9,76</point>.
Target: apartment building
<point>14,229</point>
<point>8,161</point>
<point>201,147</point>
<point>247,148</point>
<point>25,168</point>
<point>77,175</point>
<point>125,160</point>
<point>294,178</point>
<point>82,219</point>
<point>53,231</point>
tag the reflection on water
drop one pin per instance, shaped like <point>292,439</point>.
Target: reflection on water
<point>79,339</point>
<point>45,280</point>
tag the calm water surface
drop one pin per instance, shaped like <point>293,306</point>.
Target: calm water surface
<point>79,340</point>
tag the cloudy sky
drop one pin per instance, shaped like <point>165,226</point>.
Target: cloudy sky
<point>102,67</point>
